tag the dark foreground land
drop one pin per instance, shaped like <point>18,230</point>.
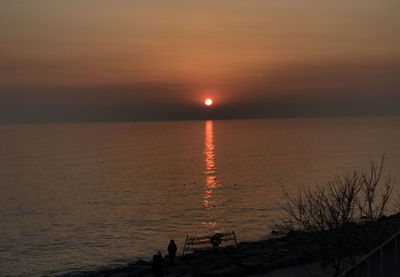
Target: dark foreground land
<point>284,250</point>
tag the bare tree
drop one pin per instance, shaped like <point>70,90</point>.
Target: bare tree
<point>369,206</point>
<point>349,198</point>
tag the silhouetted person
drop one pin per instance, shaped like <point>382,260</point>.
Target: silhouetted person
<point>216,241</point>
<point>158,265</point>
<point>172,251</point>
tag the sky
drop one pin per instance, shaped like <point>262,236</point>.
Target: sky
<point>119,60</point>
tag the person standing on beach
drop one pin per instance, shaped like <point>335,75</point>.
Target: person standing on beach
<point>172,251</point>
<point>157,267</point>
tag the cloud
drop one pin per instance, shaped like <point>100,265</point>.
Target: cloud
<point>326,88</point>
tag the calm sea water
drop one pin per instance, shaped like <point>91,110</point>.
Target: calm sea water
<point>82,196</point>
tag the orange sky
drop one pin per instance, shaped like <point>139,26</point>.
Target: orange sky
<point>84,55</point>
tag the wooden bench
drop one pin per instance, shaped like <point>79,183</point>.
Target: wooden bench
<point>207,242</point>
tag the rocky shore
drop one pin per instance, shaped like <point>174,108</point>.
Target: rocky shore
<point>278,251</point>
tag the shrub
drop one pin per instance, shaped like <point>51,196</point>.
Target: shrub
<point>345,198</point>
<point>330,210</point>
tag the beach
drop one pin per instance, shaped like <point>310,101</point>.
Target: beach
<point>280,254</point>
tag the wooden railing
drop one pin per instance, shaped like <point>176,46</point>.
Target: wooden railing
<point>206,242</point>
<point>381,262</point>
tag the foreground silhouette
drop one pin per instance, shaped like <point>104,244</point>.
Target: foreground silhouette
<point>172,251</point>
<point>157,267</point>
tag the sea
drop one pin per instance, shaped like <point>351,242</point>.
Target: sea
<point>87,196</point>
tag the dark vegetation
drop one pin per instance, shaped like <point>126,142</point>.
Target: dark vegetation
<point>343,215</point>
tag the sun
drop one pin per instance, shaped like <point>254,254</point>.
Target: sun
<point>208,102</point>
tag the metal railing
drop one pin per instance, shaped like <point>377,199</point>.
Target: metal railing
<point>380,262</point>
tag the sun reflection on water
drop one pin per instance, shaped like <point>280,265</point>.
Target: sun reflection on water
<point>210,203</point>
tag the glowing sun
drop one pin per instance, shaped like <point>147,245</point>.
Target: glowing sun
<point>208,102</point>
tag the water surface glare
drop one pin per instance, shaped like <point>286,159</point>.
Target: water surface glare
<point>82,196</point>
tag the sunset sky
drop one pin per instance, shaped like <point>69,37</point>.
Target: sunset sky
<point>97,60</point>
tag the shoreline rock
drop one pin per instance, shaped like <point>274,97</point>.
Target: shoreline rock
<point>291,249</point>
